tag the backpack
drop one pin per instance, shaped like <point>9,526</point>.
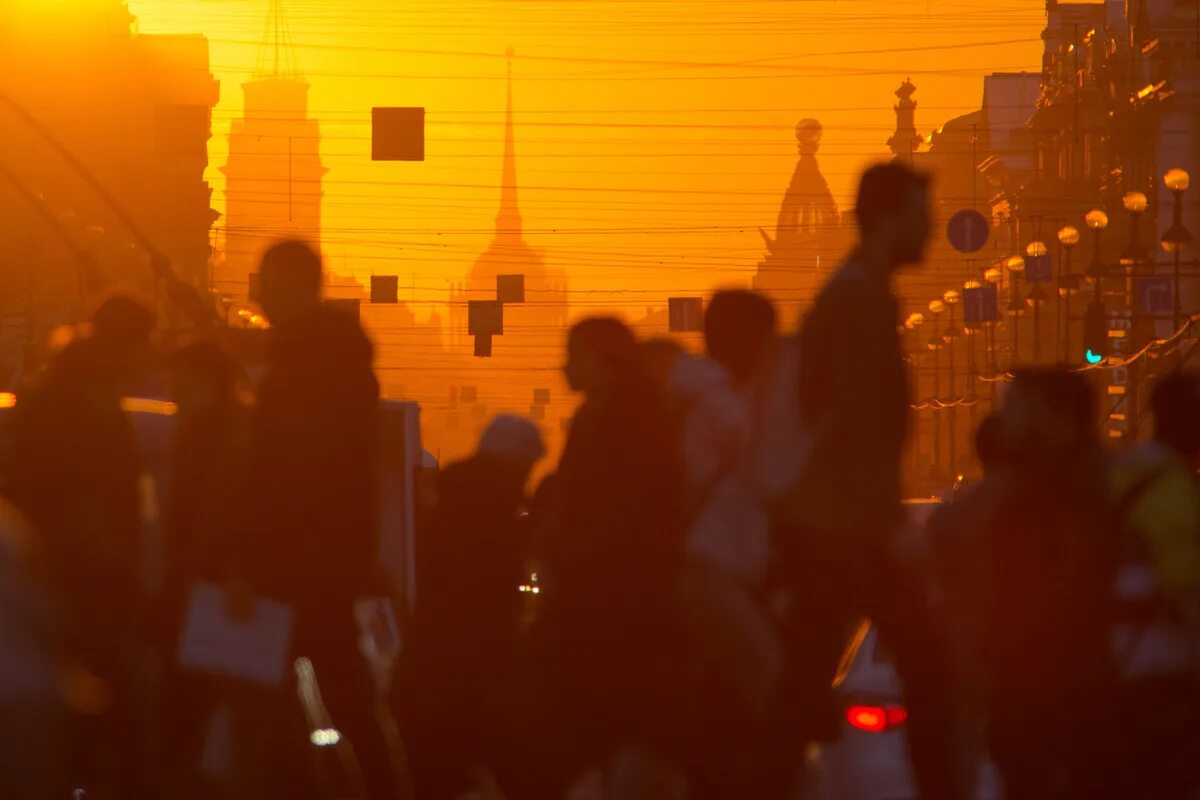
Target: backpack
<point>726,547</point>
<point>1150,632</point>
<point>694,385</point>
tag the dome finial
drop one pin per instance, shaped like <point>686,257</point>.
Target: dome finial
<point>808,134</point>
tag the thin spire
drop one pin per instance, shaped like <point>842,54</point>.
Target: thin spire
<point>508,220</point>
<point>275,56</point>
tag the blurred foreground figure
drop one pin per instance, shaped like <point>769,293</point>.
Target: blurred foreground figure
<point>1051,564</point>
<point>464,689</point>
<point>609,636</point>
<point>313,537</point>
<point>659,357</point>
<point>727,546</point>
<point>74,471</point>
<point>959,535</point>
<point>1156,634</point>
<point>33,753</point>
<point>840,524</point>
<point>202,524</point>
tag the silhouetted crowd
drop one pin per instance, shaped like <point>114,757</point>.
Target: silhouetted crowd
<point>193,604</point>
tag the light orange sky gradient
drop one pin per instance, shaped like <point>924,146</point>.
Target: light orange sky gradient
<point>654,136</point>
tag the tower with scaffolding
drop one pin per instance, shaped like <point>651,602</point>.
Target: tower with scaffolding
<point>274,173</point>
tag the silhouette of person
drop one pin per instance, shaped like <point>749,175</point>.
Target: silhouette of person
<point>73,470</point>
<point>728,543</point>
<point>203,520</point>
<point>1158,597</point>
<point>1176,406</point>
<point>1051,563</point>
<point>842,517</point>
<point>958,534</point>
<point>32,712</point>
<point>313,541</point>
<point>659,356</point>
<point>463,694</point>
<point>608,633</point>
<point>208,464</point>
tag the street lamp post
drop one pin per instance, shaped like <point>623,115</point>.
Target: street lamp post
<point>936,342</point>
<point>1068,284</point>
<point>911,324</point>
<point>952,333</point>
<point>1177,238</point>
<point>1058,304</point>
<point>972,332</point>
<point>1134,254</point>
<point>1097,221</point>
<point>1037,297</point>
<point>1133,258</point>
<point>1017,305</point>
<point>993,275</point>
<point>1036,249</point>
<point>1136,204</point>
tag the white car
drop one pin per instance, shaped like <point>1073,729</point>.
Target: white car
<point>870,761</point>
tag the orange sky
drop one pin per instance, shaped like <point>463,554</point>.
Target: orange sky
<point>654,136</point>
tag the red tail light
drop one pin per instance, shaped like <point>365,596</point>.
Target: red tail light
<point>876,719</point>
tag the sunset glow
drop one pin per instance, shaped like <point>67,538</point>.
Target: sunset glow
<point>653,138</point>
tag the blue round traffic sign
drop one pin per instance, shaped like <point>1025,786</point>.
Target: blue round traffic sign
<point>968,231</point>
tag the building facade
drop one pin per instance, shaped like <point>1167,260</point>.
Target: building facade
<point>274,175</point>
<point>136,111</point>
<point>1073,162</point>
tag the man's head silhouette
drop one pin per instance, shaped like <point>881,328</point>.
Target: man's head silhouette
<point>291,281</point>
<point>991,444</point>
<point>1049,411</point>
<point>1176,406</point>
<point>599,351</point>
<point>739,329</point>
<point>894,217</point>
<point>121,329</point>
<point>514,441</point>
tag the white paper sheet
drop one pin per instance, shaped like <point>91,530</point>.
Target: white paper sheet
<point>254,649</point>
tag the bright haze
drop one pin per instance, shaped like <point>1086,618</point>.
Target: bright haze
<point>653,137</point>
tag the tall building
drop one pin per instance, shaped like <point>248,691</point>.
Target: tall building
<point>274,173</point>
<point>534,329</point>
<point>135,110</point>
<point>1114,109</point>
<point>182,94</point>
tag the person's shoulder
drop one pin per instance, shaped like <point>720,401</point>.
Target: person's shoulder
<point>849,286</point>
<point>323,330</point>
<point>339,325</point>
<point>1144,462</point>
<point>453,475</point>
<point>1157,472</point>
<point>472,483</point>
<point>693,377</point>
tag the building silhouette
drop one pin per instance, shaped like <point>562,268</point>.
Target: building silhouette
<point>136,110</point>
<point>1115,107</point>
<point>809,236</point>
<point>533,330</point>
<point>905,141</point>
<point>523,374</point>
<point>274,173</point>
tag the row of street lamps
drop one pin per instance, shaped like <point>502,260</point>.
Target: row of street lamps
<point>1174,242</point>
